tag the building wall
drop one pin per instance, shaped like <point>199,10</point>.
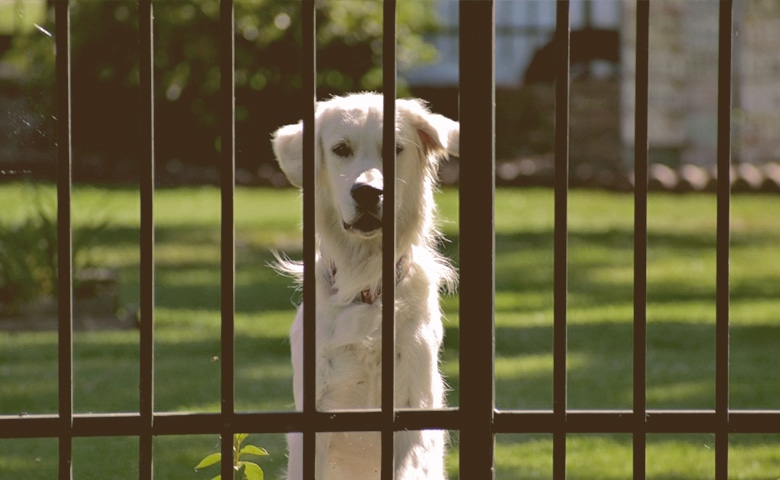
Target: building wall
<point>683,74</point>
<point>757,113</point>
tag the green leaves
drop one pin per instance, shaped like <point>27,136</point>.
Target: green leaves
<point>253,450</point>
<point>209,460</point>
<point>250,470</point>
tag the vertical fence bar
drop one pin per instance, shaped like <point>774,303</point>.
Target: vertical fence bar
<point>146,388</point>
<point>477,239</point>
<point>560,287</point>
<point>640,236</point>
<point>723,241</point>
<point>64,239</point>
<point>388,236</point>
<point>309,89</point>
<point>227,217</point>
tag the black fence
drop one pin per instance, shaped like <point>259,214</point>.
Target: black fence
<point>477,418</point>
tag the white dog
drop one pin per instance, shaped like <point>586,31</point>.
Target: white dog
<point>348,190</point>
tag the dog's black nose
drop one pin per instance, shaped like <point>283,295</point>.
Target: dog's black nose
<point>366,196</point>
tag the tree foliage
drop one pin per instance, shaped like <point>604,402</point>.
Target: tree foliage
<point>105,53</point>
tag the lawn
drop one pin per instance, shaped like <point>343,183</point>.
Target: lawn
<point>681,313</point>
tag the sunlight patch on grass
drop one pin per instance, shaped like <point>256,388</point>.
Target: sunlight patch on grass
<point>679,392</point>
<point>172,255</point>
<point>595,314</point>
<point>267,370</point>
<point>520,366</point>
<point>190,277</point>
<point>613,276</point>
<point>286,243</point>
<point>576,361</point>
<point>688,312</point>
<point>604,457</point>
<point>750,456</point>
<point>179,325</point>
<point>269,323</point>
<point>680,456</point>
<point>523,456</point>
<point>510,301</point>
<point>755,312</point>
<point>116,256</point>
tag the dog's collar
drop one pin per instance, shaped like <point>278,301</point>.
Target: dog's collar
<point>369,296</point>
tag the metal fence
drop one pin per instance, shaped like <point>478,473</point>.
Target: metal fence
<point>477,418</point>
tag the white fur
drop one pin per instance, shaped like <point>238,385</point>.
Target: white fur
<point>348,337</point>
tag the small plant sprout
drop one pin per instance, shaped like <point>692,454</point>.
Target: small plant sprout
<point>243,469</point>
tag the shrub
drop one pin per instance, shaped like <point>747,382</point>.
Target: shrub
<point>28,255</point>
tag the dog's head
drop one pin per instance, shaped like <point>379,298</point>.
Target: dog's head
<point>348,156</point>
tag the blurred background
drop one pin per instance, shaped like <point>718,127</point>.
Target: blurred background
<point>683,86</point>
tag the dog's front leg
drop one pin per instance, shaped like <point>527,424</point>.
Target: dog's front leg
<point>295,440</point>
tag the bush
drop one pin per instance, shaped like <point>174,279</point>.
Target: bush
<point>28,255</point>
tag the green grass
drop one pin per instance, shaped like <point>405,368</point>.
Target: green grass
<point>681,312</point>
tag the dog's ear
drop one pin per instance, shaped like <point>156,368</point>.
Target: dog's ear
<point>439,135</point>
<point>288,147</point>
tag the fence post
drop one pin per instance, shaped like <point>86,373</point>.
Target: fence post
<point>640,239</point>
<point>723,242</point>
<point>477,239</point>
<point>560,338</point>
<point>64,240</point>
<point>309,89</point>
<point>227,216</point>
<point>388,238</point>
<point>147,280</point>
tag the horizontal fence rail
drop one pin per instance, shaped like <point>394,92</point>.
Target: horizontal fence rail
<point>477,418</point>
<point>504,421</point>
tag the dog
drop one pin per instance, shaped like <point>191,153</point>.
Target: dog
<point>348,193</point>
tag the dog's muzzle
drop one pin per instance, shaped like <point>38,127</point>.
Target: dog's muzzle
<point>367,195</point>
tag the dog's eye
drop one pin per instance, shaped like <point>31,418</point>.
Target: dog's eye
<point>342,150</point>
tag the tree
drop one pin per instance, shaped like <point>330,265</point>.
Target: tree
<point>105,52</point>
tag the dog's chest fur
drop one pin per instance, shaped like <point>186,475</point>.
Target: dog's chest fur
<point>349,375</point>
<point>349,350</point>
